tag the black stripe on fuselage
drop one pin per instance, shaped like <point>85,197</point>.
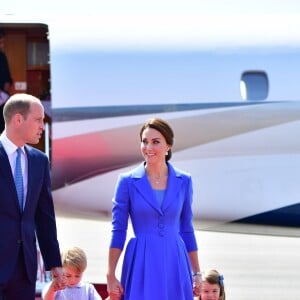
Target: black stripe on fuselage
<point>95,112</point>
<point>284,216</point>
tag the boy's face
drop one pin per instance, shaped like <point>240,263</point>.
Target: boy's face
<point>72,276</point>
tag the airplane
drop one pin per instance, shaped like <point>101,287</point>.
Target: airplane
<point>226,78</point>
<point>227,83</point>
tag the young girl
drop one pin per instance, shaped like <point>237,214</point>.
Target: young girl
<point>74,263</point>
<point>212,286</point>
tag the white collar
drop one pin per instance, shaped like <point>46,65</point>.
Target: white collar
<point>8,145</point>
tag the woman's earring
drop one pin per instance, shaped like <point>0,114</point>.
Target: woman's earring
<point>167,151</point>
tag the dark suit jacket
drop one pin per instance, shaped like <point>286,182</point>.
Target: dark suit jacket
<point>37,220</point>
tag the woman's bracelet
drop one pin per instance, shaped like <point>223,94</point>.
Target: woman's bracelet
<point>197,274</point>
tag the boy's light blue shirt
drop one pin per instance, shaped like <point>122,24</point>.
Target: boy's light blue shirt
<point>83,291</point>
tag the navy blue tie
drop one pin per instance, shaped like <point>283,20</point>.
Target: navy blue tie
<point>19,179</point>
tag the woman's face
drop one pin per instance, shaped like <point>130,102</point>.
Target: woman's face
<point>209,291</point>
<point>153,146</point>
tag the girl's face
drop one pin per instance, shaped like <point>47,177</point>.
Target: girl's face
<point>209,291</point>
<point>153,146</point>
<point>72,276</point>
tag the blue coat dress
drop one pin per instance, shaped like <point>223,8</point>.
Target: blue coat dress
<point>156,263</point>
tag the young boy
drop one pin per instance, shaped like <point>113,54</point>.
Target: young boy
<point>74,263</point>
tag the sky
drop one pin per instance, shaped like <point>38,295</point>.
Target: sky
<point>153,7</point>
<point>163,23</point>
<point>104,37</point>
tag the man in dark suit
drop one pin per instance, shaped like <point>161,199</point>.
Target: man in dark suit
<point>21,224</point>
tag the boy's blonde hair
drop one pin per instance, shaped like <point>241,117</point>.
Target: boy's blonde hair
<point>74,257</point>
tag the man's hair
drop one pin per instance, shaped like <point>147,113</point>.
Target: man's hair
<point>18,103</point>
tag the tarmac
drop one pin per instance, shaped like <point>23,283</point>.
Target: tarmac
<point>257,262</point>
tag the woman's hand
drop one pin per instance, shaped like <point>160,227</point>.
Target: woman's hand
<point>114,288</point>
<point>196,285</point>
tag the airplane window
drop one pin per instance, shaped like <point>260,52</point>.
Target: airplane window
<point>254,85</point>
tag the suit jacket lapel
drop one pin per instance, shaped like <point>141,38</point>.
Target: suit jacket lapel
<point>144,188</point>
<point>5,166</point>
<point>7,174</point>
<point>173,187</point>
<point>29,175</point>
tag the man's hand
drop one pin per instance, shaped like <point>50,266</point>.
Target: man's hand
<point>58,278</point>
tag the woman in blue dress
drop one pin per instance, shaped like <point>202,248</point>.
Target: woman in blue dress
<point>161,260</point>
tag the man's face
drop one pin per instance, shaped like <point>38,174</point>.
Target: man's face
<point>32,127</point>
